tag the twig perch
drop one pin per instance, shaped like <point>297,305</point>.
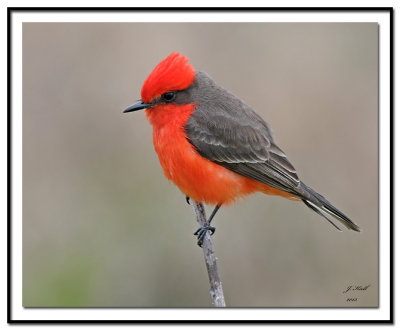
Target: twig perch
<point>216,292</point>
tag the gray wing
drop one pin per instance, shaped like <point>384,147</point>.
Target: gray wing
<point>238,139</point>
<point>242,142</point>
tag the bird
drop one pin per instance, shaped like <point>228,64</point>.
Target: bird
<point>214,147</point>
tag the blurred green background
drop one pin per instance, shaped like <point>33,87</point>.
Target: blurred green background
<point>103,227</point>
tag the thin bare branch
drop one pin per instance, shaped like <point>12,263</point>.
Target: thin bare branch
<point>216,292</point>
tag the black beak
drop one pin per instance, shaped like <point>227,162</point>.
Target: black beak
<point>137,106</point>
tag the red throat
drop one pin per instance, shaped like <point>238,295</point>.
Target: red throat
<point>197,177</point>
<point>173,73</point>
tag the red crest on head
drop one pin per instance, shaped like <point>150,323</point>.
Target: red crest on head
<point>173,73</point>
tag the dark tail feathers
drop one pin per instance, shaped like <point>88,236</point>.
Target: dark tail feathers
<point>321,206</point>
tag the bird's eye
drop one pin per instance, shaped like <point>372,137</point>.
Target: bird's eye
<point>169,96</point>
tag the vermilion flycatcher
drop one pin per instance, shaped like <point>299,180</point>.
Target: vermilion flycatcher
<point>214,146</point>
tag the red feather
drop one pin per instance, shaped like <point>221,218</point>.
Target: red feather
<point>199,178</point>
<point>173,73</point>
<point>196,176</point>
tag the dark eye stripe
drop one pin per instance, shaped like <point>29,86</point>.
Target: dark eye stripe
<point>169,96</point>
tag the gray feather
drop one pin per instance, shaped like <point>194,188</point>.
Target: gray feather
<point>227,131</point>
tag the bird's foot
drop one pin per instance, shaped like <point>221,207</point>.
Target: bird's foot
<point>188,200</point>
<point>201,233</point>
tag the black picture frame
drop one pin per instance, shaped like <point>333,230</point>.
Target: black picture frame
<point>11,10</point>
